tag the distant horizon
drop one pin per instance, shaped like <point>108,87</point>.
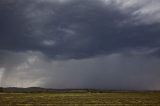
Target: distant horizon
<point>96,89</point>
<point>78,89</point>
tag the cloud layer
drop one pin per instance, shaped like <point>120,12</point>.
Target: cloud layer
<point>94,42</point>
<point>78,29</point>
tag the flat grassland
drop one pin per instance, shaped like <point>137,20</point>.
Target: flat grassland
<point>81,99</point>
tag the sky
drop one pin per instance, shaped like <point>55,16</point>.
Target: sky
<point>98,44</point>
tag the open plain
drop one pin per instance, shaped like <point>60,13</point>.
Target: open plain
<point>81,99</point>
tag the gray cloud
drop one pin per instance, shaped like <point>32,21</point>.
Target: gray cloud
<point>78,29</point>
<point>64,35</point>
<point>144,11</point>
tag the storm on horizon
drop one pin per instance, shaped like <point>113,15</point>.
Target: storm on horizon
<point>99,44</point>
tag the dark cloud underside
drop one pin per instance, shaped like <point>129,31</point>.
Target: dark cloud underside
<point>79,29</point>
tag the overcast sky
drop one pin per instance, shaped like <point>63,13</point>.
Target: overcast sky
<point>102,44</point>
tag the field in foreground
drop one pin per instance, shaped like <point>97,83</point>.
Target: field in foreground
<point>81,99</point>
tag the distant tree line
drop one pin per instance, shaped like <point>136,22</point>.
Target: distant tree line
<point>1,89</point>
<point>45,90</point>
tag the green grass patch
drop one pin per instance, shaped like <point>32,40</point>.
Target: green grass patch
<point>81,99</point>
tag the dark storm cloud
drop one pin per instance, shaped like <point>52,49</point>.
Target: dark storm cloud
<point>80,44</point>
<point>78,29</point>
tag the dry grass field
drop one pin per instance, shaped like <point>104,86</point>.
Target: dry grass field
<point>81,99</point>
